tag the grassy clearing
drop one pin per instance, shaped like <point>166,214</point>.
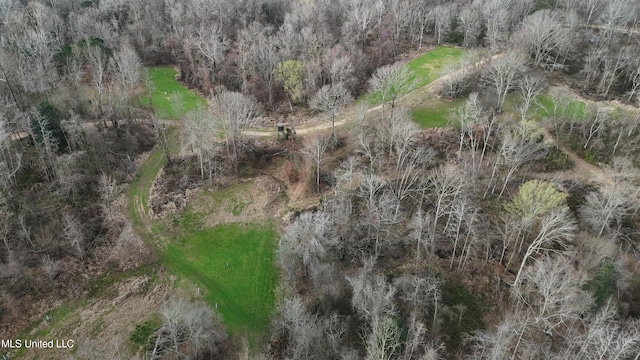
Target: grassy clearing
<point>436,114</point>
<point>165,85</point>
<point>573,110</point>
<point>428,67</point>
<point>543,108</point>
<point>234,264</point>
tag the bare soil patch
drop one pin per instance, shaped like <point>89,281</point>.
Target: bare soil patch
<point>250,201</point>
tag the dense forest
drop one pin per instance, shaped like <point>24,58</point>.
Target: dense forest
<point>448,179</point>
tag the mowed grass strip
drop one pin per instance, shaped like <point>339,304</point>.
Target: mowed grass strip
<point>244,289</point>
<point>436,114</point>
<point>428,66</point>
<point>138,192</point>
<point>165,85</point>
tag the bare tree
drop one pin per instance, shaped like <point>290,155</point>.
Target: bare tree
<point>423,293</point>
<point>556,230</point>
<point>554,292</point>
<point>502,72</point>
<point>606,209</point>
<point>496,16</point>
<point>616,13</point>
<point>341,70</point>
<point>108,191</point>
<point>545,37</point>
<point>406,163</point>
<point>380,217</point>
<point>632,70</point>
<point>10,163</point>
<point>200,133</point>
<point>416,346</point>
<point>521,144</point>
<point>307,240</point>
<point>442,16</point>
<point>416,13</point>
<point>419,228</point>
<point>263,56</point>
<point>360,15</point>
<point>5,231</point>
<point>373,298</point>
<point>530,86</point>
<point>595,125</point>
<point>74,132</point>
<point>188,326</point>
<point>496,344</point>
<point>211,43</point>
<point>470,20</point>
<point>314,150</point>
<point>305,331</point>
<point>391,82</point>
<point>461,225</point>
<point>235,112</point>
<point>606,337</point>
<point>68,172</point>
<point>128,66</point>
<point>372,295</point>
<point>468,118</point>
<point>589,9</point>
<point>73,232</point>
<point>395,134</point>
<point>98,67</point>
<point>330,99</point>
<point>613,66</point>
<point>446,185</point>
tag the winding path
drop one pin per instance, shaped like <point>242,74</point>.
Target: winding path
<point>350,113</point>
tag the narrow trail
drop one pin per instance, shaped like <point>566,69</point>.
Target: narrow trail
<point>584,171</point>
<point>581,170</point>
<point>350,113</point>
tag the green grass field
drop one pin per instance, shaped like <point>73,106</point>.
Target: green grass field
<point>428,66</point>
<point>436,115</point>
<point>574,109</point>
<point>165,85</point>
<point>199,253</point>
<point>243,290</point>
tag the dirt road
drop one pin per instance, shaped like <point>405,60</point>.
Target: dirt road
<point>320,123</point>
